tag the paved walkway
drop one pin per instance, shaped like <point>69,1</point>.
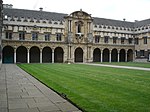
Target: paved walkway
<point>20,92</point>
<point>116,66</point>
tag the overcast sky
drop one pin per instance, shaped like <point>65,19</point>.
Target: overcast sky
<point>111,9</point>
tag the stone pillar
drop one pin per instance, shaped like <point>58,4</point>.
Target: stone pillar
<point>41,55</point>
<point>52,55</point>
<point>102,55</point>
<point>28,55</point>
<point>118,56</point>
<point>68,54</point>
<point>15,55</point>
<point>125,56</point>
<point>133,57</point>
<point>110,56</point>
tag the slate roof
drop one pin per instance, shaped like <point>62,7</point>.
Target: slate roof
<point>60,16</point>
<point>103,21</point>
<point>34,14</point>
<point>142,23</point>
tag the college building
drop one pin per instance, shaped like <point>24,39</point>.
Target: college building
<point>31,36</point>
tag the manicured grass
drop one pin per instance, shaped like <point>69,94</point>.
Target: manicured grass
<point>133,64</point>
<point>97,89</point>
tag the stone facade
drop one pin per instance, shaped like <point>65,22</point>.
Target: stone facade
<point>45,37</point>
<point>1,23</point>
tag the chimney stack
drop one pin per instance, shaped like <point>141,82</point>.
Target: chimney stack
<point>41,9</point>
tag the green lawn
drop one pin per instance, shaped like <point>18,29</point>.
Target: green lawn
<point>97,89</point>
<point>136,64</point>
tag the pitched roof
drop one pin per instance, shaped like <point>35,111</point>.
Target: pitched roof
<point>60,16</point>
<point>142,23</point>
<point>34,14</point>
<point>103,21</point>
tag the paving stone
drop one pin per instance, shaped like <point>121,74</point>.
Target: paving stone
<point>40,104</point>
<point>51,108</point>
<point>3,110</point>
<point>66,107</point>
<point>17,105</point>
<point>24,110</point>
<point>3,104</point>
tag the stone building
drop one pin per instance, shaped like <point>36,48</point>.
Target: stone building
<point>1,24</point>
<point>31,36</point>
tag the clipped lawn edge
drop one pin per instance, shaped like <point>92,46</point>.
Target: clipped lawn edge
<point>60,94</point>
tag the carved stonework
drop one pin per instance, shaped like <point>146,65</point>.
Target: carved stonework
<point>70,37</point>
<point>79,37</point>
<point>90,37</point>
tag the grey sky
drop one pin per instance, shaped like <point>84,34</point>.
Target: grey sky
<point>111,9</point>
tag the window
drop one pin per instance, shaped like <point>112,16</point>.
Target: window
<point>122,40</point>
<point>136,41</point>
<point>106,39</point>
<point>97,38</point>
<point>58,36</point>
<point>114,40</point>
<point>79,28</point>
<point>34,36</point>
<point>8,35</point>
<point>130,40</point>
<point>145,39</point>
<point>141,52</point>
<point>21,35</point>
<point>47,37</point>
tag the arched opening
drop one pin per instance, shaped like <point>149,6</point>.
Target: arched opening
<point>106,55</point>
<point>114,55</point>
<point>58,55</point>
<point>8,54</point>
<point>78,55</point>
<point>130,55</point>
<point>47,55</point>
<point>97,55</point>
<point>34,55</point>
<point>21,54</point>
<point>122,55</point>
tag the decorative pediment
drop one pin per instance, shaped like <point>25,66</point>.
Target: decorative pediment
<point>80,14</point>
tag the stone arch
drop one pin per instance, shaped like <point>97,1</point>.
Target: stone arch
<point>21,54</point>
<point>47,55</point>
<point>58,55</point>
<point>8,54</point>
<point>130,55</point>
<point>114,55</point>
<point>106,55</point>
<point>96,55</point>
<point>34,54</point>
<point>78,54</point>
<point>122,55</point>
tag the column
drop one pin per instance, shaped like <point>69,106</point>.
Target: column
<point>70,51</point>
<point>28,55</point>
<point>125,56</point>
<point>15,55</point>
<point>52,55</point>
<point>102,55</point>
<point>41,55</point>
<point>118,56</point>
<point>110,56</point>
<point>133,57</point>
<point>68,54</point>
<point>87,54</point>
